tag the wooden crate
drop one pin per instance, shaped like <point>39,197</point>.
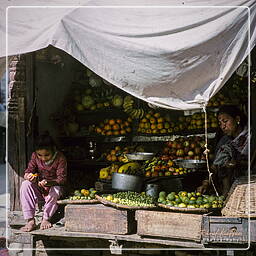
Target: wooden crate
<point>169,224</point>
<point>99,218</point>
<point>218,229</point>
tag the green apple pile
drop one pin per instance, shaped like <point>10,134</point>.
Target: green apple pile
<point>185,199</point>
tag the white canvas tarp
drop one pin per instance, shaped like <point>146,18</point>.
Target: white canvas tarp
<point>174,54</point>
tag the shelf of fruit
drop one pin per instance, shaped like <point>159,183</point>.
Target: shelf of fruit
<point>81,196</point>
<point>189,201</point>
<point>163,137</point>
<point>128,200</point>
<point>133,137</point>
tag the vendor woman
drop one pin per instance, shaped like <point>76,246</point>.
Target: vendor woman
<point>231,151</point>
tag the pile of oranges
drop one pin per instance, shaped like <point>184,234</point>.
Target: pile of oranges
<point>114,127</point>
<point>154,123</point>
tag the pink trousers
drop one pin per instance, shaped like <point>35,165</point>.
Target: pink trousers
<point>30,195</point>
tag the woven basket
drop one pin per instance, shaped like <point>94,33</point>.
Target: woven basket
<point>237,202</point>
<point>180,209</point>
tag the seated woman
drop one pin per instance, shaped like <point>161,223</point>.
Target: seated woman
<point>231,151</point>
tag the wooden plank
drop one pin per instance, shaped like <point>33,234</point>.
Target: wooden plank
<point>98,218</point>
<point>169,224</point>
<point>23,238</point>
<point>61,232</point>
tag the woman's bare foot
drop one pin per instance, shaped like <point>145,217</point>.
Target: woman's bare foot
<point>45,224</point>
<point>31,225</point>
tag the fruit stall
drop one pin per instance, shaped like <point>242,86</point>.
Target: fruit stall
<point>138,138</point>
<point>133,171</point>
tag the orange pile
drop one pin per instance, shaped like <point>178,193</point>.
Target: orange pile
<point>114,127</point>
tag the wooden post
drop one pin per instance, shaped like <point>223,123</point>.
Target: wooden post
<point>17,122</point>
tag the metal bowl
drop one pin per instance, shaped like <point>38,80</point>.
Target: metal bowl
<point>140,156</point>
<point>195,164</point>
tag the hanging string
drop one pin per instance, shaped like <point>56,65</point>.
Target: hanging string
<point>206,152</point>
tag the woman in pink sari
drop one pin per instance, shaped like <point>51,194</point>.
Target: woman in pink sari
<point>44,179</point>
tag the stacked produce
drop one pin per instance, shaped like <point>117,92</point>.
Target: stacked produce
<point>130,199</point>
<point>129,106</point>
<point>83,194</point>
<point>162,166</point>
<point>96,93</point>
<point>218,100</point>
<point>114,126</point>
<point>154,123</point>
<point>117,154</point>
<point>197,121</point>
<point>185,199</point>
<point>185,148</point>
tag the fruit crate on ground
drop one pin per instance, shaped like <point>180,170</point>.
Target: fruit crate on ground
<point>99,219</point>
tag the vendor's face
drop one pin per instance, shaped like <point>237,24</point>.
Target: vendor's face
<point>227,124</point>
<point>44,154</point>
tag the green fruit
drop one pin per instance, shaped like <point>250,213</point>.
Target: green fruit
<point>211,199</point>
<point>190,206</point>
<point>200,198</point>
<point>177,200</point>
<point>199,201</point>
<point>182,205</point>
<point>171,197</point>
<point>186,200</point>
<point>160,200</point>
<point>205,200</point>
<point>207,206</point>
<point>162,194</point>
<point>77,192</point>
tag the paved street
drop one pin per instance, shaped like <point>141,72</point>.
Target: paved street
<point>3,196</point>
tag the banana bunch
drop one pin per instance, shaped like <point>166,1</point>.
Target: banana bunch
<point>134,113</point>
<point>124,159</point>
<point>131,168</point>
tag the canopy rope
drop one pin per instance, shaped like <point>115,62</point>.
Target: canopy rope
<point>206,152</point>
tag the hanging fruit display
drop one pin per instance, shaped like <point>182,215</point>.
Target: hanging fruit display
<point>130,108</point>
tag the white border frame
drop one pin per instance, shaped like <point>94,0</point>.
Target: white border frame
<point>127,6</point>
